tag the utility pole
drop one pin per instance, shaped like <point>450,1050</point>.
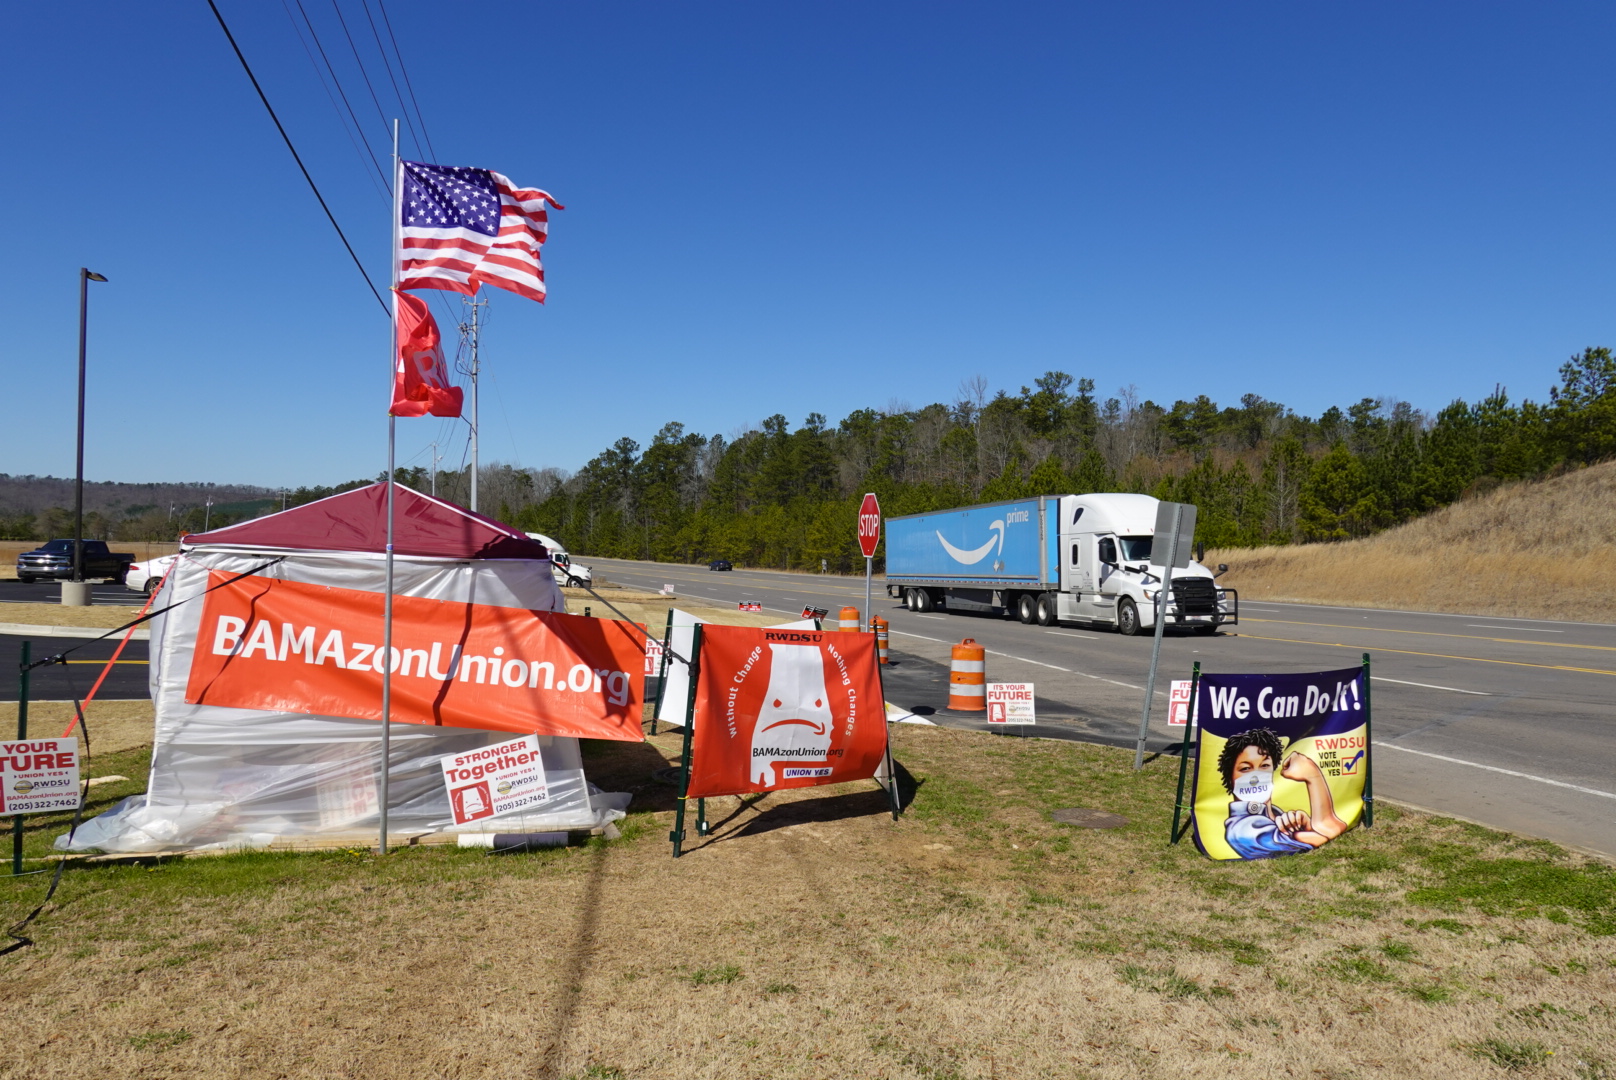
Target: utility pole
<point>436,457</point>
<point>470,332</point>
<point>207,514</point>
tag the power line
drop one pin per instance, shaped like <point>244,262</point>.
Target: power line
<point>363,74</point>
<point>407,85</point>
<point>352,137</point>
<point>390,78</point>
<point>387,183</point>
<point>295,157</point>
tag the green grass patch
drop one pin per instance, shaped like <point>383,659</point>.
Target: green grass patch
<point>722,975</point>
<point>1510,1055</point>
<point>1167,982</point>
<point>1525,888</point>
<point>159,1040</point>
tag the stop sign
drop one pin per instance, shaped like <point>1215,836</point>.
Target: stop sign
<point>869,525</point>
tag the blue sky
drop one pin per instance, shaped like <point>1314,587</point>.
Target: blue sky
<point>803,208</point>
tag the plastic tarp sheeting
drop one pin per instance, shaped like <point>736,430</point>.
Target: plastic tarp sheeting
<point>224,777</point>
<point>676,678</point>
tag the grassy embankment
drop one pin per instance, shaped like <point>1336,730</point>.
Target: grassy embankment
<point>1542,550</point>
<point>813,937</point>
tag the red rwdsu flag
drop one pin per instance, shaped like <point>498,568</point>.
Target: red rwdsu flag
<point>421,384</point>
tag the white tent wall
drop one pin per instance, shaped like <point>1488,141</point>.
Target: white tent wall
<point>676,676</point>
<point>224,777</point>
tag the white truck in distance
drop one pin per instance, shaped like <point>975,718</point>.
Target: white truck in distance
<point>565,570</point>
<point>1057,558</point>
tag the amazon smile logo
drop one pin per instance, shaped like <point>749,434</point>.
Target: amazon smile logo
<point>976,555</point>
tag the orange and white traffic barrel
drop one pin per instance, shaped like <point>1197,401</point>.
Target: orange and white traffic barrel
<point>968,678</point>
<point>880,626</point>
<point>850,619</point>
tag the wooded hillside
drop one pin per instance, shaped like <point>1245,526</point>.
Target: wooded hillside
<point>1260,473</point>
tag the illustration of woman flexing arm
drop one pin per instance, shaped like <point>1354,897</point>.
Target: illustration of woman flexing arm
<point>1255,829</point>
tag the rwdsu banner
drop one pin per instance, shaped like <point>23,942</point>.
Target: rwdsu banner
<point>1281,761</point>
<point>785,708</point>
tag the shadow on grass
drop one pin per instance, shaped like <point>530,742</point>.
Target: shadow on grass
<point>628,766</point>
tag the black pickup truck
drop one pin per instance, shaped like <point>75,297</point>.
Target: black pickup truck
<point>55,560</point>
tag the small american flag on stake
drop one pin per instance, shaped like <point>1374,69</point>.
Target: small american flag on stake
<point>463,228</point>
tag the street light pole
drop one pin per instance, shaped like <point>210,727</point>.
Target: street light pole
<point>85,277</point>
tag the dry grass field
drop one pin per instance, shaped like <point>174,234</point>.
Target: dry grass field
<point>1543,550</point>
<point>813,937</point>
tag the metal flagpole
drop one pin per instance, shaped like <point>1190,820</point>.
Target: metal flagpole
<point>392,424</point>
<point>476,367</point>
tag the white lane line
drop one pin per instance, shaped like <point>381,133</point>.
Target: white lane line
<point>1429,686</point>
<point>1069,671</point>
<point>1522,629</point>
<point>939,618</point>
<point>1496,769</point>
<point>1037,663</point>
<point>1063,633</point>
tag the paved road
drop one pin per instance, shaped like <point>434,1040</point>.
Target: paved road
<point>50,592</point>
<point>63,682</point>
<point>1508,722</point>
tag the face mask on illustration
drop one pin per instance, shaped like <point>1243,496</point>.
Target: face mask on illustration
<point>1255,786</point>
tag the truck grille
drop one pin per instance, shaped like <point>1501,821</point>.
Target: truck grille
<point>1196,596</point>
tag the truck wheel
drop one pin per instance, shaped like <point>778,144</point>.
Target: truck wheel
<point>26,579</point>
<point>1127,618</point>
<point>1046,610</point>
<point>1206,631</point>
<point>1026,608</point>
<point>922,600</point>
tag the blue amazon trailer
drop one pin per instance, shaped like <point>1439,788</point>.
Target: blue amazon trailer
<point>977,554</point>
<point>1082,559</point>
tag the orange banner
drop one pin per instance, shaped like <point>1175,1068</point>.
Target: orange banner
<point>784,709</point>
<point>285,646</point>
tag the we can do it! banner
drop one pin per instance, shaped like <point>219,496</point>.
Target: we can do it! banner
<point>286,646</point>
<point>1281,763</point>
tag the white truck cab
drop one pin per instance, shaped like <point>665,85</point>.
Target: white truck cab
<point>1109,574</point>
<point>565,570</point>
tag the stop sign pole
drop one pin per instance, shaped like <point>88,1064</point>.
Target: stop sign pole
<point>869,536</point>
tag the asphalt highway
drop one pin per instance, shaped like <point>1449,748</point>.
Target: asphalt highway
<point>1506,722</point>
<point>50,592</point>
<point>73,679</point>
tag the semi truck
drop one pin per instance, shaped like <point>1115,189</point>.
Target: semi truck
<point>1083,559</point>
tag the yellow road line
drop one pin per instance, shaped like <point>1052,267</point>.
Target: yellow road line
<point>1436,633</point>
<point>1440,656</point>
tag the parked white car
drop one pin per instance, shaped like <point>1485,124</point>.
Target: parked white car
<point>566,571</point>
<point>143,577</point>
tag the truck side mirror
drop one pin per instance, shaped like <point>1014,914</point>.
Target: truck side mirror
<point>1223,568</point>
<point>1200,552</point>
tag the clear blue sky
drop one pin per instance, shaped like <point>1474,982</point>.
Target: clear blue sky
<point>814,208</point>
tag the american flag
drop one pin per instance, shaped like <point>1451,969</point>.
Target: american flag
<point>463,228</point>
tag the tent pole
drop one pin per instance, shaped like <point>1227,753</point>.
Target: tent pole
<point>387,597</point>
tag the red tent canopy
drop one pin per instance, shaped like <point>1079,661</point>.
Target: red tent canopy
<point>357,521</point>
